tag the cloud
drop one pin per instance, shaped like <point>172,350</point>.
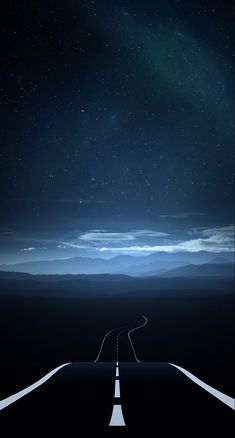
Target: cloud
<point>104,236</point>
<point>149,233</point>
<point>214,240</point>
<point>109,237</point>
<point>181,215</point>
<point>74,244</point>
<point>136,242</point>
<point>31,248</point>
<point>220,234</point>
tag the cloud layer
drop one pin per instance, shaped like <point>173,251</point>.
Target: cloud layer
<point>104,236</point>
<point>213,240</point>
<point>107,243</point>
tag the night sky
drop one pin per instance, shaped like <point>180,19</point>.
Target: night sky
<point>116,127</point>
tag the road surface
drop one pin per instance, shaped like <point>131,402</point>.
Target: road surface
<point>110,396</point>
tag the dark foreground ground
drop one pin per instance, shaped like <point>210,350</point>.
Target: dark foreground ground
<point>195,331</point>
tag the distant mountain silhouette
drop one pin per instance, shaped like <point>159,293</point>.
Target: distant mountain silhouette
<point>217,260</point>
<point>206,270</point>
<point>154,264</point>
<point>10,275</point>
<point>76,265</point>
<point>108,285</point>
<point>156,267</point>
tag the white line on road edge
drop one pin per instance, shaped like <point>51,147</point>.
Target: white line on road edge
<point>117,416</point>
<point>133,330</point>
<point>13,398</point>
<point>229,401</point>
<point>105,336</point>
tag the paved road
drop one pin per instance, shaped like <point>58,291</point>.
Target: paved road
<point>117,397</point>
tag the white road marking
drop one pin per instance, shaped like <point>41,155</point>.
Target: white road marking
<point>229,401</point>
<point>131,331</point>
<point>13,398</point>
<point>117,389</point>
<point>117,416</point>
<point>105,336</point>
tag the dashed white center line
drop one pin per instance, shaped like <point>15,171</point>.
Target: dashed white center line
<point>117,389</point>
<point>117,415</point>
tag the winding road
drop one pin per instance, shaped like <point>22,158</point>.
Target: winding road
<point>110,393</point>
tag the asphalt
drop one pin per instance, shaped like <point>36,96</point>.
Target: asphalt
<point>156,400</point>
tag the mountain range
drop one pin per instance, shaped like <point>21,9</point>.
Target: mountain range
<point>160,264</point>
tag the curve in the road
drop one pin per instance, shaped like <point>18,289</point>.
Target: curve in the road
<point>13,398</point>
<point>102,343</point>
<point>229,401</point>
<point>133,330</point>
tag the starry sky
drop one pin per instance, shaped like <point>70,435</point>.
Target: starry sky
<point>117,127</point>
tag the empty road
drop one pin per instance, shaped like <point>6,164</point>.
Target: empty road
<point>117,394</point>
